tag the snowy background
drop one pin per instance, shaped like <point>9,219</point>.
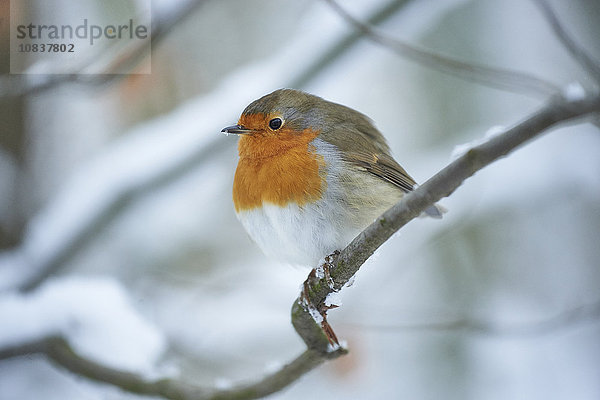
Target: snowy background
<point>126,189</point>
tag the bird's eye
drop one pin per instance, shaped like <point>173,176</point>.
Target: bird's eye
<point>275,123</point>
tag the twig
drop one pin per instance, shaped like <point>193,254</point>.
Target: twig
<point>23,85</point>
<point>58,350</point>
<point>563,320</point>
<point>345,43</point>
<point>442,184</point>
<point>512,81</point>
<point>578,52</point>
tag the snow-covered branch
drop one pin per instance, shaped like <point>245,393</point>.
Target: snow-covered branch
<point>60,352</point>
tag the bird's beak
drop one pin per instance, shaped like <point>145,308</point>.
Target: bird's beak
<point>236,130</point>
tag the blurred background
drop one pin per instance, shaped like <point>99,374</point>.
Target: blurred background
<point>121,190</point>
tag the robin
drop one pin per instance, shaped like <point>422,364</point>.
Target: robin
<point>311,175</point>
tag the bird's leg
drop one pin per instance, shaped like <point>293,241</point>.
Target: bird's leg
<point>323,307</point>
<point>333,340</point>
<point>326,268</point>
<point>323,272</point>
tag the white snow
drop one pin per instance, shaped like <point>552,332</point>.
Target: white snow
<point>94,314</point>
<point>334,299</point>
<point>223,384</point>
<point>350,281</point>
<point>273,366</point>
<point>461,149</point>
<point>314,313</point>
<point>574,91</point>
<point>11,269</point>
<point>332,347</point>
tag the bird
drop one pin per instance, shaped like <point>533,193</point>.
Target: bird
<point>311,175</point>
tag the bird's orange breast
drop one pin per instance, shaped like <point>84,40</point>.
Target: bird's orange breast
<point>278,169</point>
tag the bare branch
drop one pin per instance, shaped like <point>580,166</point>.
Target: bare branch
<point>345,43</point>
<point>23,85</point>
<point>451,177</point>
<point>58,350</point>
<point>563,320</point>
<point>287,375</point>
<point>498,78</point>
<point>442,184</point>
<point>578,52</point>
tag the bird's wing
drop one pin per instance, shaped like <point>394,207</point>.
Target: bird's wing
<point>362,145</point>
<point>382,166</point>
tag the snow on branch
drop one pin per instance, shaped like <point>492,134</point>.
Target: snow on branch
<point>342,268</point>
<point>60,352</point>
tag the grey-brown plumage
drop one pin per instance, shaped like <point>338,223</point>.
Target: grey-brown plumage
<point>350,131</point>
<point>312,175</point>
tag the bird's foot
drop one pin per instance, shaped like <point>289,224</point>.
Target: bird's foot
<point>315,275</point>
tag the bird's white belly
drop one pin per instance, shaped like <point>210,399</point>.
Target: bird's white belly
<point>300,235</point>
